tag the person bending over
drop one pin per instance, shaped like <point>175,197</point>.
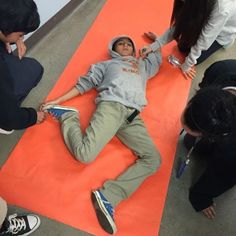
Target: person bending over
<point>211,116</point>
<point>200,28</point>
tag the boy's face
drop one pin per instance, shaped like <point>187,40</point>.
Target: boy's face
<point>13,37</point>
<point>124,47</point>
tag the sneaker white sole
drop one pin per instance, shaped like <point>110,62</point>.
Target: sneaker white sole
<point>35,227</point>
<point>2,131</point>
<point>45,108</point>
<point>103,216</point>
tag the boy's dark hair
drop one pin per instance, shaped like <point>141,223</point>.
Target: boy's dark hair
<point>189,18</point>
<point>212,111</point>
<point>18,16</point>
<point>118,40</point>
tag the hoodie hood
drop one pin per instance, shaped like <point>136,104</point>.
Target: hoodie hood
<point>113,53</point>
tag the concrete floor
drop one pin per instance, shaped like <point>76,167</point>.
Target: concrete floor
<point>179,219</point>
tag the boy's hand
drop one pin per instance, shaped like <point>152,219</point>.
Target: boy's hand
<point>40,116</point>
<point>152,36</point>
<point>143,52</point>
<point>21,47</point>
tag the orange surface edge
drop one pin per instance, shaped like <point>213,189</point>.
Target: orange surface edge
<point>42,176</point>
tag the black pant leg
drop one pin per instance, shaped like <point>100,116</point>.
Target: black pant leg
<point>220,73</point>
<point>25,73</point>
<point>205,54</point>
<point>209,186</point>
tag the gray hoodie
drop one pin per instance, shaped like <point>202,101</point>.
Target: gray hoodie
<point>122,79</point>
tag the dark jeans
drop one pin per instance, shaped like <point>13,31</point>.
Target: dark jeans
<point>221,73</point>
<point>205,54</point>
<point>25,73</point>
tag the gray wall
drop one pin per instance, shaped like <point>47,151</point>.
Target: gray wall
<point>47,9</point>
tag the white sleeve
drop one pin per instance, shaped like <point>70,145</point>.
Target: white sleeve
<point>206,38</point>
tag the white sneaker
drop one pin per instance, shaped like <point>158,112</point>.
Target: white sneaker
<point>3,131</point>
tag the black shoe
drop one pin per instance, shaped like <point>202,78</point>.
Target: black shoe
<point>104,212</point>
<point>20,225</point>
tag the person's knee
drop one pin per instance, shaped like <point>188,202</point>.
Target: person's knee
<point>3,210</point>
<point>155,161</point>
<point>83,157</point>
<point>83,160</point>
<point>35,71</point>
<point>38,69</point>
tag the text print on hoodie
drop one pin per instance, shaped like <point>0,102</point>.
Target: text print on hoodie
<point>122,79</point>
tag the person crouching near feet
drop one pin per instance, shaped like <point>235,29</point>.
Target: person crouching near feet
<point>19,74</point>
<point>121,84</point>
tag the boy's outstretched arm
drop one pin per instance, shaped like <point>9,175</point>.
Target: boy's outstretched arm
<point>151,57</point>
<point>85,83</point>
<point>164,39</point>
<point>73,92</point>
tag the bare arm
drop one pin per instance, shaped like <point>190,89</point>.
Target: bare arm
<point>73,92</point>
<point>84,84</point>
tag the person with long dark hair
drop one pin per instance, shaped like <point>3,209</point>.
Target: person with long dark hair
<point>200,28</point>
<point>18,74</point>
<point>211,116</point>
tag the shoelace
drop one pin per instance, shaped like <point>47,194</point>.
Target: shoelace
<point>54,113</point>
<point>16,224</point>
<point>108,207</point>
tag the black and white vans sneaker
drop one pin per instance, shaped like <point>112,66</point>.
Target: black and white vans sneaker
<point>20,225</point>
<point>3,131</point>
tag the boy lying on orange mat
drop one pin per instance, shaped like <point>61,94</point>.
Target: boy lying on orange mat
<point>121,85</point>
